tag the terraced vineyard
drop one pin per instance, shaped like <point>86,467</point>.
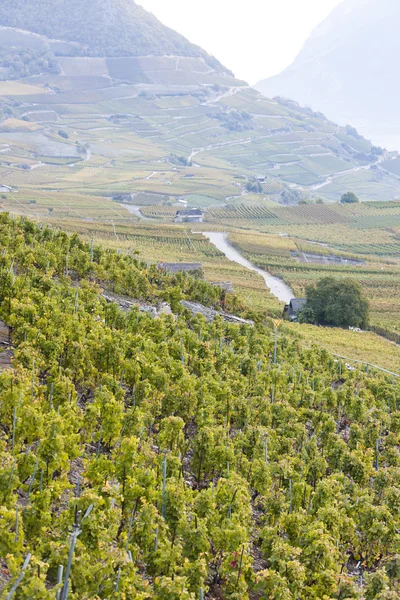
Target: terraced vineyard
<point>99,140</point>
<point>169,458</point>
<point>159,212</point>
<point>363,216</point>
<point>285,246</point>
<point>148,453</point>
<point>159,242</point>
<point>44,205</point>
<point>185,109</point>
<point>242,212</point>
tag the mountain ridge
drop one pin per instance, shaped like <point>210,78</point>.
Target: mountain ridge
<point>112,28</point>
<point>345,69</point>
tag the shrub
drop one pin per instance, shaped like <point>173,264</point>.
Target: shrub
<point>349,198</point>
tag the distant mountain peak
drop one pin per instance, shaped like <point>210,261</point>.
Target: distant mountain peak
<point>348,69</point>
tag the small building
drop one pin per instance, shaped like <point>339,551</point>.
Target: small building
<point>181,267</point>
<point>189,215</point>
<point>261,178</point>
<point>5,189</point>
<point>292,309</point>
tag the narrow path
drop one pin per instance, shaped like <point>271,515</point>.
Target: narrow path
<point>231,92</point>
<point>333,176</point>
<point>135,210</point>
<point>277,287</point>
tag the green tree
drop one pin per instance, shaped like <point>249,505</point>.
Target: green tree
<point>337,303</point>
<point>349,198</point>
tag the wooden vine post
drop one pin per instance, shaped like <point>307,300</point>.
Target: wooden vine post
<point>277,323</point>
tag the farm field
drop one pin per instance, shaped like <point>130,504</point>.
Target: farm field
<point>301,263</point>
<point>16,88</point>
<point>299,244</point>
<point>159,212</point>
<point>366,347</point>
<point>365,234</point>
<point>366,215</point>
<point>156,242</point>
<point>197,120</point>
<point>55,205</point>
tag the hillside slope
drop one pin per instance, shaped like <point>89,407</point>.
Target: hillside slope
<point>171,127</point>
<point>122,105</point>
<point>102,27</point>
<point>172,459</point>
<point>348,69</point>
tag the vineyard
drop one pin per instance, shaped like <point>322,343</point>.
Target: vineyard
<point>303,243</point>
<point>43,116</point>
<point>281,255</point>
<point>44,204</point>
<point>151,448</point>
<point>368,215</point>
<point>175,459</point>
<point>299,244</point>
<point>159,212</point>
<point>160,242</point>
<point>130,134</point>
<point>299,253</point>
<point>375,266</point>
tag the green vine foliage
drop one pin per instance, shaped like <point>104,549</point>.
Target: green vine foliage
<point>185,461</point>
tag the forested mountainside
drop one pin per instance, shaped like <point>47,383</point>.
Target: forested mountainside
<point>102,27</point>
<point>170,458</point>
<point>347,69</point>
<point>17,62</point>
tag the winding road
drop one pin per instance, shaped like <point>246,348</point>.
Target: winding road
<point>333,176</point>
<point>135,210</point>
<point>277,287</point>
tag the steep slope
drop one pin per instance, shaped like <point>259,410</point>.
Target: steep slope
<point>179,130</point>
<point>102,27</point>
<point>175,459</point>
<point>348,69</point>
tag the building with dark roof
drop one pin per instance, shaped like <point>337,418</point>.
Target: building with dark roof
<point>292,309</point>
<point>189,215</point>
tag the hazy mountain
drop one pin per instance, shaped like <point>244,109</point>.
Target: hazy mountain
<point>348,69</point>
<point>100,27</point>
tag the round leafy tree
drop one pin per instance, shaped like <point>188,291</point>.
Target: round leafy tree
<point>337,303</point>
<point>349,198</point>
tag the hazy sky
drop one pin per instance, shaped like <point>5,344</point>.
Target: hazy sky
<point>254,38</point>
